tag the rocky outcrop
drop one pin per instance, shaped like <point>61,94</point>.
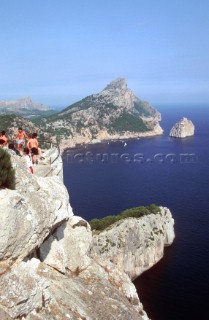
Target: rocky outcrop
<point>182,129</point>
<point>112,114</point>
<point>30,213</point>
<point>103,135</point>
<point>135,245</point>
<point>50,265</point>
<point>45,269</point>
<point>39,290</point>
<point>115,113</point>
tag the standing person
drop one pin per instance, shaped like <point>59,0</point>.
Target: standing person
<point>39,149</point>
<point>28,159</point>
<point>3,137</point>
<point>21,135</point>
<point>32,145</point>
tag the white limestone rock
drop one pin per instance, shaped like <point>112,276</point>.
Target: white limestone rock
<point>30,213</point>
<point>135,245</point>
<point>46,271</point>
<point>98,114</point>
<point>23,290</point>
<point>67,247</point>
<point>182,129</point>
<point>91,294</point>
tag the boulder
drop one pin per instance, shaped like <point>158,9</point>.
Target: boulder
<point>67,247</point>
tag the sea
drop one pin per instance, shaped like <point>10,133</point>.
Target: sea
<point>106,178</point>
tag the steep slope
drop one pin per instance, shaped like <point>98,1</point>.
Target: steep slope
<point>115,94</point>
<point>45,270</point>
<point>114,113</point>
<point>53,267</point>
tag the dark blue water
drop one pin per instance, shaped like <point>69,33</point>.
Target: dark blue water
<point>164,171</point>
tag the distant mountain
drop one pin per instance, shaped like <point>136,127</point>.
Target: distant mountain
<point>23,106</point>
<point>116,95</point>
<point>114,113</point>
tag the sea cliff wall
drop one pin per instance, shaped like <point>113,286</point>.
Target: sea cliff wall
<point>135,244</point>
<point>48,267</point>
<point>85,137</point>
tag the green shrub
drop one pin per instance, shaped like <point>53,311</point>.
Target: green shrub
<point>137,212</point>
<point>128,122</point>
<point>101,224</point>
<point>7,173</point>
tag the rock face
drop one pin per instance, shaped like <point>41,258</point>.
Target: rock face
<point>45,269</point>
<point>30,213</point>
<point>135,245</point>
<point>182,129</point>
<point>52,268</point>
<point>114,113</point>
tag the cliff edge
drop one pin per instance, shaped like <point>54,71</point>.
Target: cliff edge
<point>50,267</point>
<point>135,244</point>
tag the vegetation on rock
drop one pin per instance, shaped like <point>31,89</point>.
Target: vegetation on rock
<point>7,173</point>
<point>113,112</point>
<point>128,122</point>
<point>137,212</point>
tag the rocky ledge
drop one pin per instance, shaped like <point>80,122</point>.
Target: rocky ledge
<point>50,265</point>
<point>135,245</point>
<point>182,129</point>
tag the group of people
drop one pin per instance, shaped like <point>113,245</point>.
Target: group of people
<point>31,149</point>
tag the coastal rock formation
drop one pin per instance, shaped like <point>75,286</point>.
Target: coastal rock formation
<point>135,245</point>
<point>114,113</point>
<point>45,269</point>
<point>30,213</point>
<point>52,268</point>
<point>182,129</point>
<point>103,135</point>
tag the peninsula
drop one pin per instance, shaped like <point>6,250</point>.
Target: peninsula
<point>114,113</point>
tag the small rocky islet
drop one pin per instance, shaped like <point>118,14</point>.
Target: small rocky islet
<point>182,129</point>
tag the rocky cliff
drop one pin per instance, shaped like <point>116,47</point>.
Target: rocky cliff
<point>182,129</point>
<point>135,245</point>
<point>113,113</point>
<point>51,267</point>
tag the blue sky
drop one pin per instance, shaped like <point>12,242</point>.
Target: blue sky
<point>60,51</point>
